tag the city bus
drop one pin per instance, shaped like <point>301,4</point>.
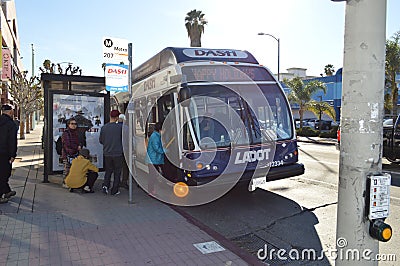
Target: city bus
<point>223,114</point>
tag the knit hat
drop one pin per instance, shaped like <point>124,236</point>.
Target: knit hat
<point>85,153</point>
<point>114,113</point>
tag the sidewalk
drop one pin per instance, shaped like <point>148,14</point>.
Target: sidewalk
<point>44,224</point>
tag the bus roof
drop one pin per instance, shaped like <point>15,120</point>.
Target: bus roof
<point>174,55</point>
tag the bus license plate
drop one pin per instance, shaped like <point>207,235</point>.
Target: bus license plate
<point>259,181</point>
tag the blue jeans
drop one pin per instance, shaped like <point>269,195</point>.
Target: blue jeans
<point>113,164</point>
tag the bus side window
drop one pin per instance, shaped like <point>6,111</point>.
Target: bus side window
<point>151,116</point>
<point>140,109</point>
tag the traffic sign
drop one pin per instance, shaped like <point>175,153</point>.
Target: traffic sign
<point>115,50</point>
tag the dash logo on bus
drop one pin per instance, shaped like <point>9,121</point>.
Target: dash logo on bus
<point>252,156</point>
<point>210,53</point>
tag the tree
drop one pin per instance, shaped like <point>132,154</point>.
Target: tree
<point>329,70</point>
<point>301,93</point>
<point>27,94</point>
<point>392,66</point>
<point>320,107</point>
<point>195,23</point>
<point>48,67</point>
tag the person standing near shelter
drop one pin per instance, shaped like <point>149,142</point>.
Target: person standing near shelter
<point>70,146</point>
<point>111,139</point>
<point>8,150</point>
<point>155,156</point>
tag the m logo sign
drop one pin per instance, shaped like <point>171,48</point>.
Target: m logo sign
<point>108,43</point>
<point>115,50</point>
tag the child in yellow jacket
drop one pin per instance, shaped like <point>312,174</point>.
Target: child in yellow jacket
<point>82,174</point>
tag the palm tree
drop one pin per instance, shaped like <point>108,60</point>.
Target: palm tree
<point>392,66</point>
<point>329,70</point>
<point>47,66</point>
<point>301,93</point>
<point>195,22</point>
<point>320,107</point>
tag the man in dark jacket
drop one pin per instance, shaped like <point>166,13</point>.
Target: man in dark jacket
<point>8,150</point>
<point>111,139</point>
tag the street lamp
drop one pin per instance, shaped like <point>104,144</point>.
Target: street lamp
<point>277,39</point>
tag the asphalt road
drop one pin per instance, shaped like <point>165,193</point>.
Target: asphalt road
<point>292,214</point>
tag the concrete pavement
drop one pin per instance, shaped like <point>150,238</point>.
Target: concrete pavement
<point>44,224</point>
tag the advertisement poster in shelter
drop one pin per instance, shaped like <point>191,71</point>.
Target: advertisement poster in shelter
<point>88,111</point>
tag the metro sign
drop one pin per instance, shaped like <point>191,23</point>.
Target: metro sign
<point>115,50</point>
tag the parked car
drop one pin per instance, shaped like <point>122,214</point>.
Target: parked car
<point>326,125</point>
<point>391,141</point>
<point>388,122</point>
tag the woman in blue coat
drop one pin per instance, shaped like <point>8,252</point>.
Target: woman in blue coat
<point>155,156</point>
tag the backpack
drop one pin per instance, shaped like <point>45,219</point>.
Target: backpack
<point>59,145</point>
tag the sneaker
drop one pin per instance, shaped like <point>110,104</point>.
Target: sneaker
<point>116,193</point>
<point>65,185</point>
<point>3,200</point>
<point>10,194</point>
<point>105,190</point>
<point>88,191</point>
<point>71,190</point>
<point>86,188</point>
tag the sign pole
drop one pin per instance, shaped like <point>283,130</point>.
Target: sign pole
<point>130,116</point>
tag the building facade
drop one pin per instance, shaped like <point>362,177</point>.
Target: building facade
<point>10,58</point>
<point>333,94</point>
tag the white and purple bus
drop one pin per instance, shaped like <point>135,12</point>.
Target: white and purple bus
<point>223,114</point>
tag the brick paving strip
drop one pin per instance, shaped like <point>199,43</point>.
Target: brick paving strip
<point>44,224</point>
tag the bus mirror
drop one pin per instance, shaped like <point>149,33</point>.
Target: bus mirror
<point>184,94</point>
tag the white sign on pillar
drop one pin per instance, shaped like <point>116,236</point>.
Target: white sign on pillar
<point>116,78</point>
<point>115,50</point>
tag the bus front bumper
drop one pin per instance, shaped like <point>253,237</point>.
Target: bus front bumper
<point>274,173</point>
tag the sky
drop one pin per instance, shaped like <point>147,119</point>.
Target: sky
<point>311,32</point>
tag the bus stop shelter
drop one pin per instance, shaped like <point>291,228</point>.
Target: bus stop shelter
<point>83,98</point>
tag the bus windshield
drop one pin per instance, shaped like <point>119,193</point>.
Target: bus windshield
<point>216,110</point>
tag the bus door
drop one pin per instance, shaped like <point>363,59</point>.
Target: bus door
<point>170,134</point>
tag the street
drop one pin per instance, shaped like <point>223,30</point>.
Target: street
<point>295,213</point>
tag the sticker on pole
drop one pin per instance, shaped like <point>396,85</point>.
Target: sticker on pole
<point>379,196</point>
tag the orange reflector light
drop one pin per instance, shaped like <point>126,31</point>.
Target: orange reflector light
<point>181,190</point>
<point>199,166</point>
